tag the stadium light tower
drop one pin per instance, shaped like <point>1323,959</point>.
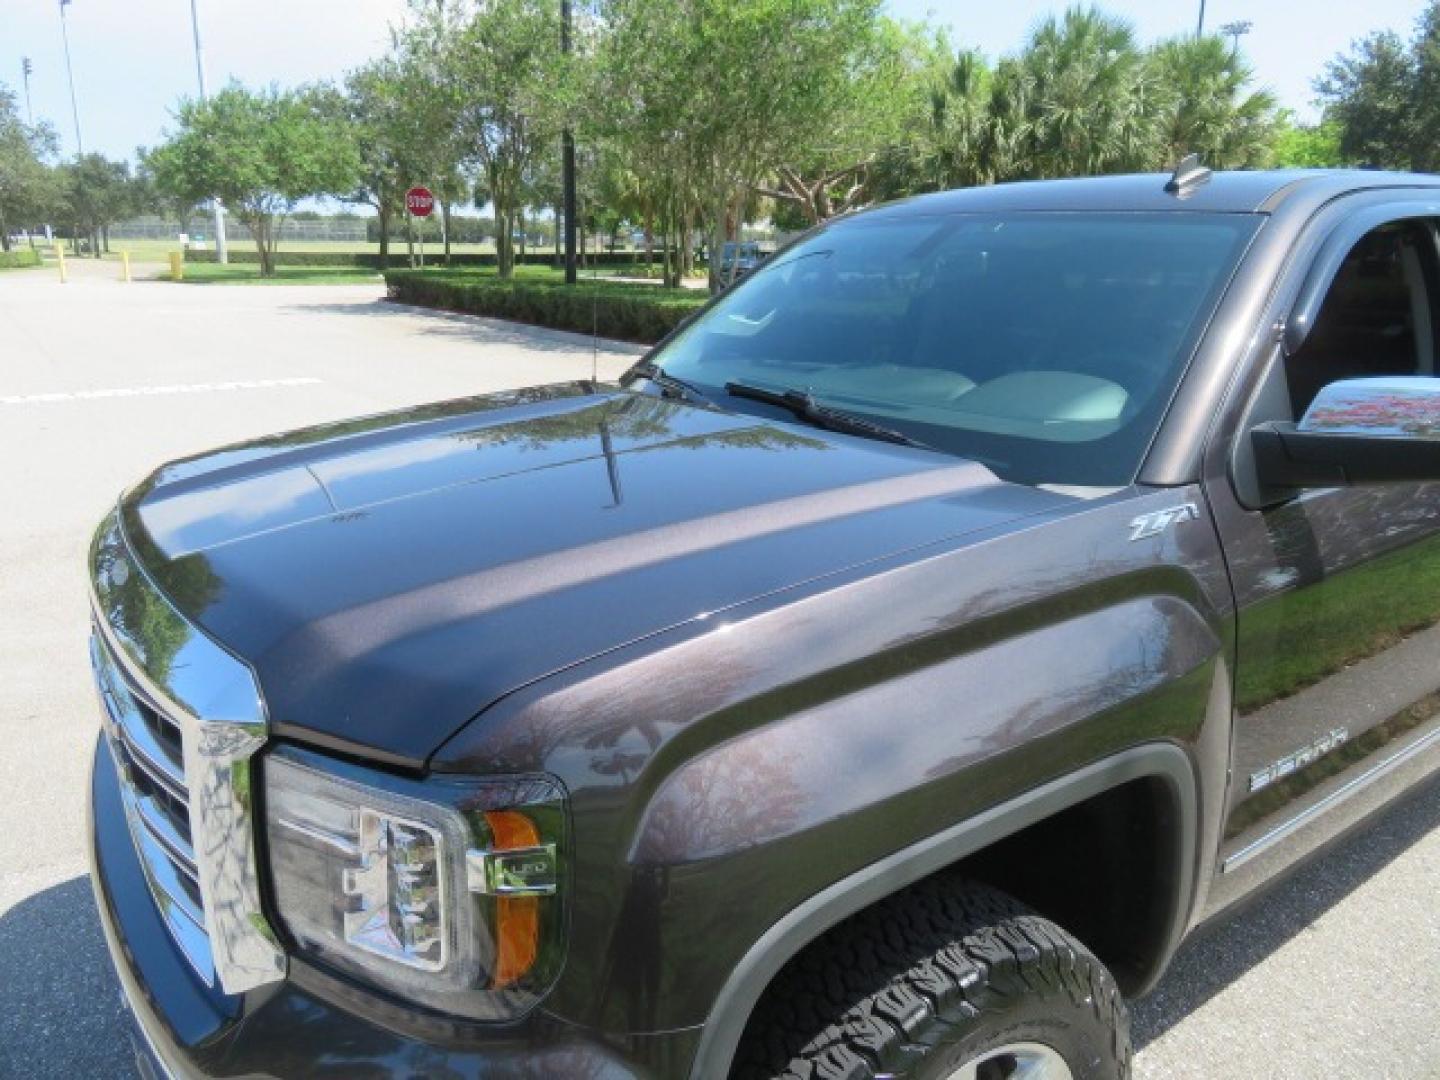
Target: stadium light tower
<point>70,75</point>
<point>1236,30</point>
<point>26,69</point>
<point>222,250</point>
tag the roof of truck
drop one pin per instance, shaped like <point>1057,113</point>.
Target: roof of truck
<point>1223,192</point>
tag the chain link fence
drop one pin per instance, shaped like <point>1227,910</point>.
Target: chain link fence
<point>151,228</point>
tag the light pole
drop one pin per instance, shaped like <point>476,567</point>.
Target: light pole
<point>222,250</point>
<point>25,69</point>
<point>70,75</point>
<point>1236,30</point>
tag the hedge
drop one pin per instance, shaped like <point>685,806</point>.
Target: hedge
<point>399,260</point>
<point>639,313</point>
<point>13,260</point>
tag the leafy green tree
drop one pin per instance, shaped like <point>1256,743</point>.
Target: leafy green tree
<point>377,111</point>
<point>641,108</point>
<point>151,198</point>
<point>1384,97</point>
<point>873,110</point>
<point>1370,94</point>
<point>717,95</point>
<point>1307,146</point>
<point>1205,107</point>
<point>29,187</point>
<point>98,192</point>
<point>261,152</point>
<point>499,101</point>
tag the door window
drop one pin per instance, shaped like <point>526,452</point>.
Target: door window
<point>1376,319</point>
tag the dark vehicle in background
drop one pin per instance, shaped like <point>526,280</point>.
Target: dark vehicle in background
<point>738,258</point>
<point>880,681</point>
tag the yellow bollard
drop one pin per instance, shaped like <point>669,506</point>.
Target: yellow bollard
<point>125,266</point>
<point>60,261</point>
<point>177,266</point>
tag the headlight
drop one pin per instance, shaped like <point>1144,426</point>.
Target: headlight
<point>445,893</point>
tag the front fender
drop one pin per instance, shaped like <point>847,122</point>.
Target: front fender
<point>804,923</point>
<point>726,773</point>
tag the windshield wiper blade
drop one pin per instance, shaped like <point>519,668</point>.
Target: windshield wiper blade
<point>669,385</point>
<point>803,406</point>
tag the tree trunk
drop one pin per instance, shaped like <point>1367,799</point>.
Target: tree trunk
<point>665,255</point>
<point>649,244</point>
<point>504,242</point>
<point>445,220</point>
<point>383,212</point>
<point>262,230</point>
<point>105,234</point>
<point>5,238</point>
<point>559,248</point>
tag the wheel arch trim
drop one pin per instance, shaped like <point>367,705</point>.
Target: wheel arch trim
<point>1162,761</point>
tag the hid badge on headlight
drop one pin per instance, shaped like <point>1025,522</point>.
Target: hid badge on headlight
<point>445,891</point>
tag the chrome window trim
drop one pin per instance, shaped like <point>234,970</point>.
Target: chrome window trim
<point>215,699</point>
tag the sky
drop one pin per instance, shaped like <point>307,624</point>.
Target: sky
<point>134,59</point>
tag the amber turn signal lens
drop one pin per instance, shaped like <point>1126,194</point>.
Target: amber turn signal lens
<point>517,918</point>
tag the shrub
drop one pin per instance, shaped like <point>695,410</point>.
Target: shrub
<point>640,313</point>
<point>13,260</point>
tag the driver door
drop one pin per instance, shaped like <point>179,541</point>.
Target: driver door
<point>1337,663</point>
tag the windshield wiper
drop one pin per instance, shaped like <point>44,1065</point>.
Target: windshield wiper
<point>669,385</point>
<point>803,406</point>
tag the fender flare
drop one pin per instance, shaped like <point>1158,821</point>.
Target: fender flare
<point>1165,762</point>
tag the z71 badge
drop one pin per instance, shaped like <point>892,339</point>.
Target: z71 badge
<point>1154,524</point>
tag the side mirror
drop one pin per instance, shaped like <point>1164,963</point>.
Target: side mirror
<point>1359,431</point>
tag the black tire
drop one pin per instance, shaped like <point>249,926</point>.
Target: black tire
<point>928,980</point>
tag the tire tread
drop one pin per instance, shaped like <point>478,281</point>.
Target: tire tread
<point>884,987</point>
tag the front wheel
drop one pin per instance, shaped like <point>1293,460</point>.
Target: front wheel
<point>946,980</point>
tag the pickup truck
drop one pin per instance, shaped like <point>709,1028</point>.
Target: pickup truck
<point>880,680</point>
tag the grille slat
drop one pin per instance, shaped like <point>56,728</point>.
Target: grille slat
<point>162,827</point>
<point>150,753</point>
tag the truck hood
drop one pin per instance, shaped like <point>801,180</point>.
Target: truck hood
<point>389,578</point>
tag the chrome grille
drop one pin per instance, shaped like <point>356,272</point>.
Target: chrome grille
<point>149,753</point>
<point>183,718</point>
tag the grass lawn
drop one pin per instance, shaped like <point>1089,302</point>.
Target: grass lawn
<point>243,274</point>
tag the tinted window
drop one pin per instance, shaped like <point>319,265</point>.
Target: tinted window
<point>1045,345</point>
<point>1376,318</point>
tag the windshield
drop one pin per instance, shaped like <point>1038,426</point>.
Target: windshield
<point>1044,345</point>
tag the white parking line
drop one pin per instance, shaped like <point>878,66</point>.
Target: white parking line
<point>154,391</point>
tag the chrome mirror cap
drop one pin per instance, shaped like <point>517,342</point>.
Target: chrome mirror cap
<point>1396,406</point>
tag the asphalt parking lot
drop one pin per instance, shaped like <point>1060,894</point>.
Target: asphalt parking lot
<point>1331,973</point>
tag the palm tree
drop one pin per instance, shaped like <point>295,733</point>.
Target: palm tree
<point>1086,86</point>
<point>1206,109</point>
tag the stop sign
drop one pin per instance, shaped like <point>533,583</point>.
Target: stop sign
<point>419,201</point>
